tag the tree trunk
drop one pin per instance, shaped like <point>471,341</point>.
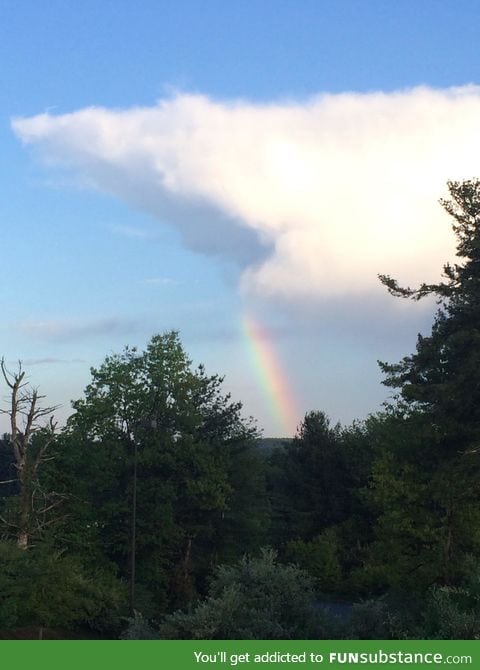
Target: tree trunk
<point>186,561</point>
<point>133,537</point>
<point>447,548</point>
<point>23,534</point>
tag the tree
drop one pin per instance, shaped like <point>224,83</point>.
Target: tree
<point>45,588</point>
<point>440,392</point>
<point>156,444</point>
<point>30,441</point>
<point>311,480</point>
<point>442,378</point>
<point>319,517</point>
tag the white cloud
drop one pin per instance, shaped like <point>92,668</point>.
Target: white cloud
<point>337,188</point>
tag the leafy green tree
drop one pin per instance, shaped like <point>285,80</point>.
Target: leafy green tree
<point>150,457</point>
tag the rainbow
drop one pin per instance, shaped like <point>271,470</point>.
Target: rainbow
<point>271,376</point>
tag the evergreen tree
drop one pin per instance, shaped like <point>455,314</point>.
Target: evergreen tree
<point>431,481</point>
<point>442,378</point>
<point>308,483</point>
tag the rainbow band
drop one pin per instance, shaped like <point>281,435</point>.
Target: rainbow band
<point>272,378</point>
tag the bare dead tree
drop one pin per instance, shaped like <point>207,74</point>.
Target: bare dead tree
<point>28,419</point>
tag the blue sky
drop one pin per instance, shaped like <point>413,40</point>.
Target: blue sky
<point>178,165</point>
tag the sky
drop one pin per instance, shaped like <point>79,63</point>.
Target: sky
<point>238,171</point>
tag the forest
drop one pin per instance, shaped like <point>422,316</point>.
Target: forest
<point>159,512</point>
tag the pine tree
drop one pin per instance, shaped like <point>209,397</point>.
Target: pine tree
<point>442,378</point>
<point>439,397</point>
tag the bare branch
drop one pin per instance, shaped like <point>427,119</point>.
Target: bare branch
<point>51,506</point>
<point>9,376</point>
<point>57,519</point>
<point>25,411</point>
<point>31,414</point>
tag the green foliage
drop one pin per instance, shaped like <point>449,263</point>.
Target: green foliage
<point>149,421</point>
<point>41,587</point>
<point>452,613</point>
<point>445,613</point>
<point>427,486</point>
<point>320,558</point>
<point>256,598</point>
<point>424,510</point>
<point>139,629</point>
<point>308,481</point>
<point>441,377</point>
<point>319,515</point>
<point>375,620</point>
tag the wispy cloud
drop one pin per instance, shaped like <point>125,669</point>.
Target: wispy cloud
<point>319,195</point>
<point>129,231</point>
<point>31,362</point>
<point>161,281</point>
<point>72,330</point>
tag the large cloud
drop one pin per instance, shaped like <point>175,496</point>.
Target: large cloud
<point>315,198</point>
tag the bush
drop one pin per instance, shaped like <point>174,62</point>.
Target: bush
<point>375,620</point>
<point>41,587</point>
<point>443,613</point>
<point>139,628</point>
<point>254,599</point>
<point>452,614</point>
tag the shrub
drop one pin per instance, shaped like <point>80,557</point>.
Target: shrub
<point>452,614</point>
<point>254,599</point>
<point>41,587</point>
<point>375,620</point>
<point>139,628</point>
